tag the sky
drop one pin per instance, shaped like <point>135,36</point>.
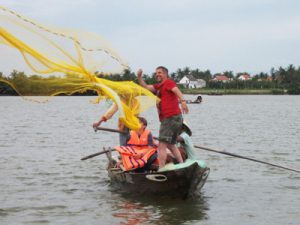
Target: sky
<point>217,35</point>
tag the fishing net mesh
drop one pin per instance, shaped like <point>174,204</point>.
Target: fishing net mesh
<point>65,61</point>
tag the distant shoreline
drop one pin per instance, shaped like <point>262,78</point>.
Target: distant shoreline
<point>206,91</point>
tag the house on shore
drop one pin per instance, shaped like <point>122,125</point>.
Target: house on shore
<point>221,78</point>
<point>244,77</point>
<point>189,81</point>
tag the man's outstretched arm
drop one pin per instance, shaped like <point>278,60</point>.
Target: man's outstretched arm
<point>143,83</point>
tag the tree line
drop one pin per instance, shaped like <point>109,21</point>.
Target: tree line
<point>282,78</point>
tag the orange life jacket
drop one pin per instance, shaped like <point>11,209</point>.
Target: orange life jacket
<point>129,156</point>
<point>139,141</point>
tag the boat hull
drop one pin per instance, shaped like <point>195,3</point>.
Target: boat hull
<point>181,182</point>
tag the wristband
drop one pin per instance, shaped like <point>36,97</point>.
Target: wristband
<point>104,118</point>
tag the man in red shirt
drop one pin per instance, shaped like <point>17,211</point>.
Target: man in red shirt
<point>168,110</point>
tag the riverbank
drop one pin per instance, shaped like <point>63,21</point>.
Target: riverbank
<point>209,91</point>
<point>201,91</point>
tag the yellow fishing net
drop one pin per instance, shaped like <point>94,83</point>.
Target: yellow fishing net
<point>66,62</point>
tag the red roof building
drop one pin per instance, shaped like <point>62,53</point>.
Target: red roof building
<point>222,78</point>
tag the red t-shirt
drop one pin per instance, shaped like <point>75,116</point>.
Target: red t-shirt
<point>168,105</point>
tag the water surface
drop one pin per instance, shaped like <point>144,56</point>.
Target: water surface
<point>43,181</point>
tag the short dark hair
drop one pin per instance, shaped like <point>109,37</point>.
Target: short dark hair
<point>163,68</point>
<point>143,120</point>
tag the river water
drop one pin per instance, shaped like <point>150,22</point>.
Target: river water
<point>43,181</point>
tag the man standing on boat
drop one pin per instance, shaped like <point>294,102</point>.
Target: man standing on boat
<point>169,112</point>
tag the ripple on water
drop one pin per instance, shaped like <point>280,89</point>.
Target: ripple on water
<point>291,187</point>
<point>3,212</point>
<point>232,180</point>
<point>36,222</point>
<point>295,176</point>
<point>5,146</point>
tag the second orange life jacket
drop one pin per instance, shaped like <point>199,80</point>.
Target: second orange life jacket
<point>134,157</point>
<point>139,141</point>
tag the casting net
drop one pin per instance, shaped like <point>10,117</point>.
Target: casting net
<point>66,61</point>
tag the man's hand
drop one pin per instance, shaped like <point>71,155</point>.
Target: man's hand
<point>97,124</point>
<point>139,73</point>
<point>184,107</point>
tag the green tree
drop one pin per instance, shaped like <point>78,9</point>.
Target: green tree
<point>229,74</point>
<point>205,75</point>
<point>128,75</point>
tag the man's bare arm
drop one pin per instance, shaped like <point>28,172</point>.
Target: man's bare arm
<point>143,83</point>
<point>108,114</point>
<point>178,93</point>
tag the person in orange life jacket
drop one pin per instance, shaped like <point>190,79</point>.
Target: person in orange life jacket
<point>142,139</point>
<point>123,137</point>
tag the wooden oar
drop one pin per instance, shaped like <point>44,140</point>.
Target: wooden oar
<point>110,130</point>
<point>243,157</point>
<point>105,151</point>
<point>98,153</point>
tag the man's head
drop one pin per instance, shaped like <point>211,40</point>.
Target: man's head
<point>161,74</point>
<point>143,123</point>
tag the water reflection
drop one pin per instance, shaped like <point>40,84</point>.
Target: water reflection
<point>131,209</point>
<point>131,213</point>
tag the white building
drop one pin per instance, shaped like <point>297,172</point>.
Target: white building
<point>244,77</point>
<point>191,82</point>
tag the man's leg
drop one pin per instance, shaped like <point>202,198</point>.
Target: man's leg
<point>168,132</point>
<point>175,152</point>
<point>162,154</point>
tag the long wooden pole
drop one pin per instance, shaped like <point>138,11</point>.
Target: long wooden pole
<point>243,157</point>
<point>208,149</point>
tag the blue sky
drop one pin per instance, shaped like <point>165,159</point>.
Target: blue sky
<point>219,35</point>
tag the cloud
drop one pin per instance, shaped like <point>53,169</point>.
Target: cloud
<point>219,35</point>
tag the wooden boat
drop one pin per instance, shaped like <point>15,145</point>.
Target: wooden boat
<point>192,102</point>
<point>197,101</point>
<point>181,182</point>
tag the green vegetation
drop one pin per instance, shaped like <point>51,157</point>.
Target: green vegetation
<point>278,81</point>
